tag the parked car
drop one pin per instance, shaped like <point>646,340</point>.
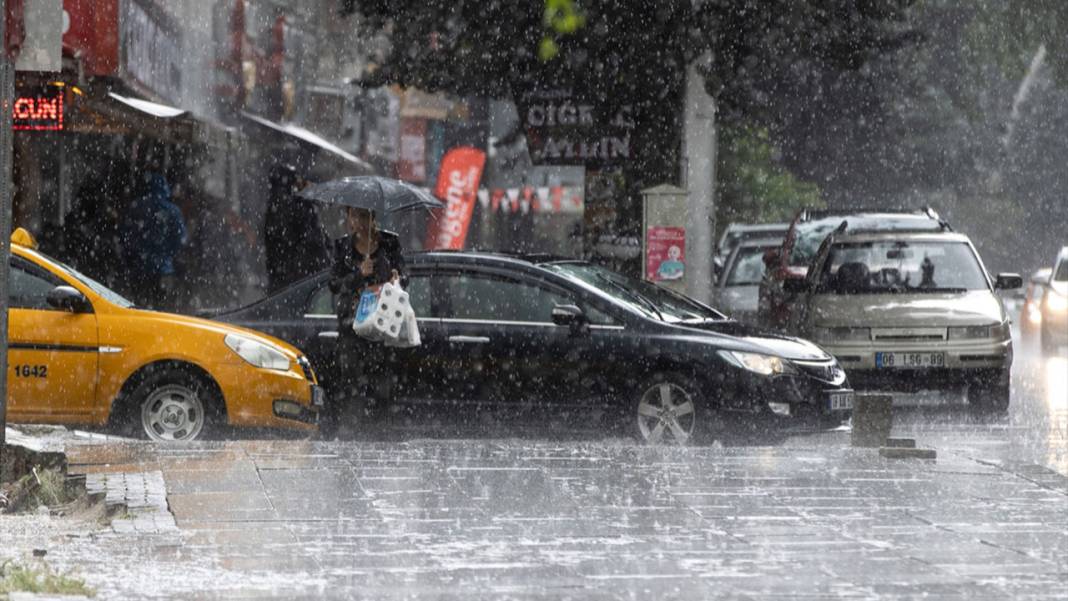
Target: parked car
<point>1031,312</point>
<point>910,311</point>
<point>790,261</point>
<point>737,289</point>
<point>736,233</point>
<point>510,331</point>
<point>1055,306</point>
<point>82,354</point>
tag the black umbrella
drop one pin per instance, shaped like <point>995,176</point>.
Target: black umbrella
<point>382,195</point>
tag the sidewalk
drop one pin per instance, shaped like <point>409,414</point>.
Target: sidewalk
<point>517,519</point>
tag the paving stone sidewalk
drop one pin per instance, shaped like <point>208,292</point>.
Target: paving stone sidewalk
<point>522,520</point>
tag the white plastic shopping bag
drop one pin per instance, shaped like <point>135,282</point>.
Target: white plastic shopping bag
<point>409,332</point>
<point>380,313</point>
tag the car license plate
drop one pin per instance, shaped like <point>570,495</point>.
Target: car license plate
<point>841,401</point>
<point>318,396</point>
<point>907,360</point>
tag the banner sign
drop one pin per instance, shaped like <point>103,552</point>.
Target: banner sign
<point>665,253</point>
<point>91,33</point>
<point>458,179</point>
<point>152,49</point>
<point>562,130</point>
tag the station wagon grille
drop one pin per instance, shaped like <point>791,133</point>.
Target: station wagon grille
<point>908,334</point>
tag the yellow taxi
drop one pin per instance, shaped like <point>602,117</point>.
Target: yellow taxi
<point>80,353</point>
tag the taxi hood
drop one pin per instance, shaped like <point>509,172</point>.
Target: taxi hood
<point>972,308</point>
<point>221,329</point>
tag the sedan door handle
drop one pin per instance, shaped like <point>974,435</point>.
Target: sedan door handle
<point>328,334</point>
<point>469,339</point>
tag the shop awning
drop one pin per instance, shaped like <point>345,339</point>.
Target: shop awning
<point>307,137</point>
<point>161,111</point>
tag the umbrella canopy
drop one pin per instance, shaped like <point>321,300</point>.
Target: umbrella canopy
<point>382,195</point>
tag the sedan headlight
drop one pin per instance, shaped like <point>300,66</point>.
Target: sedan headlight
<point>765,365</point>
<point>257,353</point>
<point>998,331</point>
<point>1056,302</point>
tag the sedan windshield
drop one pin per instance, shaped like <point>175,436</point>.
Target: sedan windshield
<point>898,266</point>
<point>638,295</point>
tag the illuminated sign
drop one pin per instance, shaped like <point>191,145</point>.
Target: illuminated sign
<point>39,112</point>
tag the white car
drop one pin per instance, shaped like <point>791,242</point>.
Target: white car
<point>1055,306</point>
<point>737,291</point>
<point>910,312</point>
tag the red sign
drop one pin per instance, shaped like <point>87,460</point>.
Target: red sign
<point>38,113</point>
<point>91,34</point>
<point>411,164</point>
<point>665,253</point>
<point>461,170</point>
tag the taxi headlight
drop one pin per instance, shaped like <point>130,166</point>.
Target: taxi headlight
<point>256,353</point>
<point>998,331</point>
<point>765,365</point>
<point>1056,302</point>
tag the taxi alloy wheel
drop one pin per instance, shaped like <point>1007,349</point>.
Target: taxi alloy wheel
<point>667,413</point>
<point>173,413</point>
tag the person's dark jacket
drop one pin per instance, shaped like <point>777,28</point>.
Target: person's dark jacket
<point>346,281</point>
<point>152,230</point>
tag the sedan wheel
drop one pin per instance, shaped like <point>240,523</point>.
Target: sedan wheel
<point>172,413</point>
<point>666,414</point>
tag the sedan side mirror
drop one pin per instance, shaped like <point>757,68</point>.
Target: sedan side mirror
<point>1008,281</point>
<point>570,316</point>
<point>66,298</point>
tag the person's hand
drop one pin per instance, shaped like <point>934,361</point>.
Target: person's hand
<point>367,267</point>
<point>395,277</point>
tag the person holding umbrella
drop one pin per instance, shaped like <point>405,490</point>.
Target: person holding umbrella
<point>367,256</point>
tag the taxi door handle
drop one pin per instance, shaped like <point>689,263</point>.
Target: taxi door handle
<point>469,339</point>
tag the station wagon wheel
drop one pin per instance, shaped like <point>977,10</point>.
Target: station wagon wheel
<point>667,413</point>
<point>173,413</point>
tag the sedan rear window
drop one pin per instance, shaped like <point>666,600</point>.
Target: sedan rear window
<point>899,266</point>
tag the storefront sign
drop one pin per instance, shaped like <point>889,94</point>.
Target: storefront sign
<point>411,166</point>
<point>461,171</point>
<point>562,130</point>
<point>152,49</point>
<point>665,253</point>
<point>39,112</point>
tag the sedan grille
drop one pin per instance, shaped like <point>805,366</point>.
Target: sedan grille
<point>825,371</point>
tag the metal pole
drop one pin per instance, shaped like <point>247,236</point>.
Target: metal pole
<point>7,100</point>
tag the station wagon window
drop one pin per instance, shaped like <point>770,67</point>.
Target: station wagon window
<point>322,300</point>
<point>28,290</point>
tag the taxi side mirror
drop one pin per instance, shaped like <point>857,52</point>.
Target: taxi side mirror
<point>66,298</point>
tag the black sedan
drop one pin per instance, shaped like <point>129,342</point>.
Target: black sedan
<point>571,336</point>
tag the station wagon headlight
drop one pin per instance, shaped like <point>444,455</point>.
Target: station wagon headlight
<point>765,365</point>
<point>256,353</point>
<point>998,331</point>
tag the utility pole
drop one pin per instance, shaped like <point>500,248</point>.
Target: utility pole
<point>7,100</point>
<point>699,138</point>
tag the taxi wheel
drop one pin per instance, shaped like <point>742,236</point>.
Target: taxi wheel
<point>174,406</point>
<point>668,411</point>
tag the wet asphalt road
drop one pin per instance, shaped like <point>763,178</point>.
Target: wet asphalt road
<point>528,517</point>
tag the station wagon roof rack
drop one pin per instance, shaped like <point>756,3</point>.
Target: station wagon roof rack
<point>809,214</point>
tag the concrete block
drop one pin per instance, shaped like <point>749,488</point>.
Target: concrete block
<point>872,420</point>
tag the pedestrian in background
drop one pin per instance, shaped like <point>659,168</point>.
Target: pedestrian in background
<point>295,242</point>
<point>152,232</point>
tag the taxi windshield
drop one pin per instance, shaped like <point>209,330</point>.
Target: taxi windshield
<point>106,293</point>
